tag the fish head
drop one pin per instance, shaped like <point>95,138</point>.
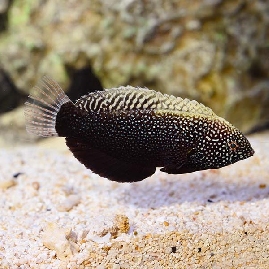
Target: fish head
<point>221,145</point>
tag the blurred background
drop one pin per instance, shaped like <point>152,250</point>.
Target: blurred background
<point>213,51</point>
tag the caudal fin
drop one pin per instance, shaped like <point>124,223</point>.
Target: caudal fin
<point>42,107</point>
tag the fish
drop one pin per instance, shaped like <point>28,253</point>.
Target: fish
<point>125,133</point>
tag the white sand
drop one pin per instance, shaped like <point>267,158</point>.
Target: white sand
<point>57,214</point>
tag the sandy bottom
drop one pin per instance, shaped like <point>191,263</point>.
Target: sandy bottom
<point>57,214</point>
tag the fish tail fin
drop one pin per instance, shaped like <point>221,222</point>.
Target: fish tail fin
<point>42,107</point>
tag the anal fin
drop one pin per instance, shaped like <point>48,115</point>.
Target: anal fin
<point>107,166</point>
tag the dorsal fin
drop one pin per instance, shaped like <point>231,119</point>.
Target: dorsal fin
<point>129,98</point>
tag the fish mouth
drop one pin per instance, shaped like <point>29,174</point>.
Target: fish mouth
<point>243,156</point>
<point>251,152</point>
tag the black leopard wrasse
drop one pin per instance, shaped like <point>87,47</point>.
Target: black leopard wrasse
<point>124,133</point>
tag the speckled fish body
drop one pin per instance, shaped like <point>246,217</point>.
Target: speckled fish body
<point>125,133</point>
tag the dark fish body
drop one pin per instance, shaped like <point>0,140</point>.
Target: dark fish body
<point>125,133</point>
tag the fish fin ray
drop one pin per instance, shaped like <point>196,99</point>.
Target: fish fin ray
<point>131,98</point>
<point>107,166</point>
<point>42,107</point>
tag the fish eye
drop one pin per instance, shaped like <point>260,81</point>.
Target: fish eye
<point>233,145</point>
